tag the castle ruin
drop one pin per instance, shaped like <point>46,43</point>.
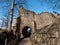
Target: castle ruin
<point>45,26</point>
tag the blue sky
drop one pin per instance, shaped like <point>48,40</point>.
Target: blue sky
<point>37,6</point>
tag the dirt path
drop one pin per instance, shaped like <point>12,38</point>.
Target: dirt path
<point>25,41</point>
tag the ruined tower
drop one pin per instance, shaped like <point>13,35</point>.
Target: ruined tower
<point>43,26</point>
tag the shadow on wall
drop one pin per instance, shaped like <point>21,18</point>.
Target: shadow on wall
<point>18,27</point>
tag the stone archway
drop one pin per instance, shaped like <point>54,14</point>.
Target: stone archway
<point>26,31</point>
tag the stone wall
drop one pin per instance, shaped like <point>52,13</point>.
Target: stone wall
<point>45,27</point>
<point>48,35</point>
<point>35,21</point>
<point>43,19</point>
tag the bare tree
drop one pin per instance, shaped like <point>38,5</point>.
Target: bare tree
<point>22,2</point>
<point>11,15</point>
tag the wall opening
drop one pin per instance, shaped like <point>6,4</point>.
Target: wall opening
<point>26,31</point>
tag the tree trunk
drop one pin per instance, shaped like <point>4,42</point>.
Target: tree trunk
<point>11,16</point>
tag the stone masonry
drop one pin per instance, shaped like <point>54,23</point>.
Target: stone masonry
<point>45,27</point>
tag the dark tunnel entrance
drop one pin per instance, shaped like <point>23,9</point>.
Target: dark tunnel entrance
<point>26,31</point>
